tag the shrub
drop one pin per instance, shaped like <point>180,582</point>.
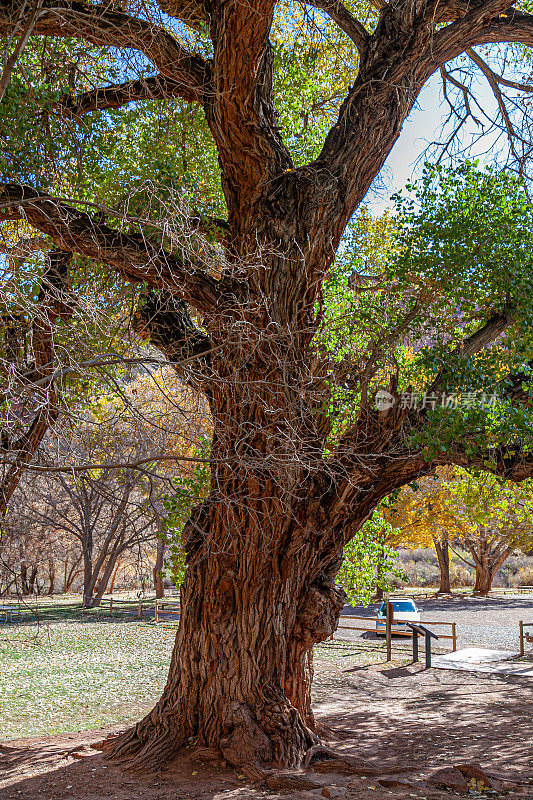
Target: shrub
<point>421,573</point>
<point>524,577</point>
<point>461,575</point>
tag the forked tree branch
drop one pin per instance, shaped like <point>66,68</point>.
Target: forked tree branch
<point>133,255</point>
<point>493,82</point>
<point>499,79</point>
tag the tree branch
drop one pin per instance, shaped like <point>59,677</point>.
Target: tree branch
<point>345,20</point>
<point>157,87</point>
<point>104,27</point>
<point>480,339</point>
<point>134,256</point>
<point>509,462</point>
<point>493,82</point>
<point>488,23</point>
<point>241,113</point>
<point>168,325</point>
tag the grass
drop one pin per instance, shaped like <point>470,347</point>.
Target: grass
<point>63,671</point>
<point>69,674</point>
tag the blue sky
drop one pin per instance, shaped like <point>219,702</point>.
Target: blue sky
<point>420,129</point>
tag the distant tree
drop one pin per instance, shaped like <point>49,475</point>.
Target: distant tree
<point>420,511</point>
<point>109,507</point>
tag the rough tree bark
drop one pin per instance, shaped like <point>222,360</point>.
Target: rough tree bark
<point>442,550</point>
<point>263,550</point>
<point>488,556</point>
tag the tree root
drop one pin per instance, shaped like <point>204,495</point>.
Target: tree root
<point>319,752</point>
<point>146,747</point>
<point>251,739</point>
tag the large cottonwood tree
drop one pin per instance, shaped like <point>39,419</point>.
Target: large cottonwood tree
<point>294,475</point>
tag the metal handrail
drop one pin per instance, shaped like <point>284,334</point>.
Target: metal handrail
<point>421,630</point>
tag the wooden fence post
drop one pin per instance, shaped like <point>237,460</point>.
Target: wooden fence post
<point>388,630</point>
<point>522,649</point>
<point>454,638</point>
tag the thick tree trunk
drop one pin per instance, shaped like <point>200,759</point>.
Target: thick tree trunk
<point>241,669</point>
<point>443,555</point>
<point>264,549</point>
<point>488,558</point>
<point>484,577</point>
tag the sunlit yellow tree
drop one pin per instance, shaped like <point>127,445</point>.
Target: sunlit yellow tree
<point>478,515</point>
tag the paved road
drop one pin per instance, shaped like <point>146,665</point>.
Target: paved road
<point>485,622</point>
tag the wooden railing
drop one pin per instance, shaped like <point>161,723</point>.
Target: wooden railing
<point>525,636</point>
<point>371,626</point>
<point>114,605</point>
<point>166,606</point>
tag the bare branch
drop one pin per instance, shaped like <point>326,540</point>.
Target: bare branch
<point>493,82</point>
<point>133,255</point>
<point>19,47</point>
<point>157,87</point>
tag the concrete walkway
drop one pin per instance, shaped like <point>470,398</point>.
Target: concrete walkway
<point>478,659</point>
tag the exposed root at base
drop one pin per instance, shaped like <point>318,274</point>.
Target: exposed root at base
<point>143,748</point>
<point>273,737</point>
<point>319,752</point>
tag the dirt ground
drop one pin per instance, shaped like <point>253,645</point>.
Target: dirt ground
<point>393,726</point>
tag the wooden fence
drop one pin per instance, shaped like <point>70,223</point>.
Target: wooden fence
<point>116,606</point>
<point>525,636</point>
<point>166,606</point>
<point>371,626</point>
